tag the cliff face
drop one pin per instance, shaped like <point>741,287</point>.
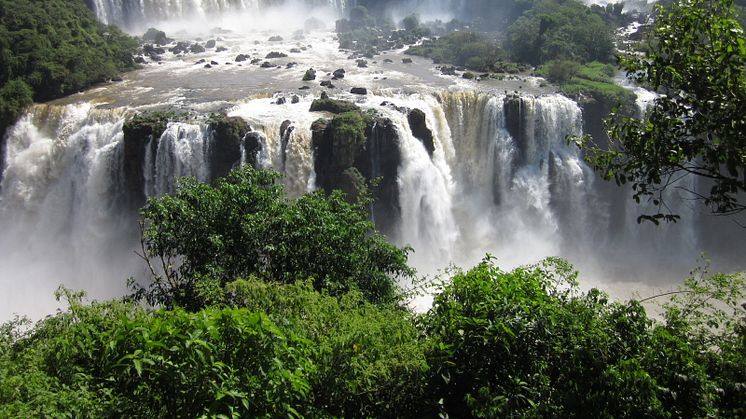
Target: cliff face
<point>227,138</point>
<point>351,157</point>
<point>227,135</point>
<point>140,132</point>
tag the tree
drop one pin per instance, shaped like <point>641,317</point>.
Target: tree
<point>696,128</point>
<point>205,236</point>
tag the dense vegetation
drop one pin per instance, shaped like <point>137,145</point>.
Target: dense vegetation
<point>697,58</point>
<point>275,309</point>
<point>52,48</point>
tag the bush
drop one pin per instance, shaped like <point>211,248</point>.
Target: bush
<point>461,48</point>
<point>205,236</point>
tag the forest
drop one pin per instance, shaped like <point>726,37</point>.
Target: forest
<point>258,304</point>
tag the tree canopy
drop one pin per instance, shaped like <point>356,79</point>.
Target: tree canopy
<point>693,136</point>
<point>54,48</point>
<point>244,226</point>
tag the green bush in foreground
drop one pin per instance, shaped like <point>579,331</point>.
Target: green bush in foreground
<point>275,330</point>
<point>205,236</point>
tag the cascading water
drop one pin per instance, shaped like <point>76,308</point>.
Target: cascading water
<point>133,14</point>
<point>60,208</point>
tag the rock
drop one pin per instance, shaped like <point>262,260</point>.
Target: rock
<point>406,61</point>
<point>448,71</point>
<point>359,91</point>
<point>388,61</point>
<point>295,99</point>
<point>224,151</point>
<point>281,101</point>
<point>326,83</point>
<point>140,60</point>
<point>349,163</point>
<point>295,51</point>
<point>156,36</point>
<point>310,75</point>
<point>275,38</point>
<point>202,61</point>
<point>331,105</point>
<point>208,66</point>
<point>267,64</point>
<point>256,61</point>
<point>291,65</point>
<point>468,75</point>
<point>304,88</point>
<point>241,58</point>
<point>196,48</point>
<point>214,63</point>
<point>340,73</point>
<point>221,49</point>
<point>140,132</point>
<point>275,54</point>
<point>418,125</point>
<point>362,63</point>
<point>210,43</point>
<point>149,49</point>
<point>180,47</point>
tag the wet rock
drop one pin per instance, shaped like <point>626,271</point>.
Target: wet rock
<point>275,38</point>
<point>275,54</point>
<point>208,66</point>
<point>310,75</point>
<point>388,61</point>
<point>359,91</point>
<point>202,61</point>
<point>406,61</point>
<point>295,50</point>
<point>180,48</point>
<point>418,125</point>
<point>448,71</point>
<point>241,58</point>
<point>256,61</point>
<point>196,48</point>
<point>267,64</point>
<point>228,134</point>
<point>326,83</point>
<point>362,63</point>
<point>140,60</point>
<point>214,63</point>
<point>210,43</point>
<point>295,99</point>
<point>304,88</point>
<point>281,101</point>
<point>156,36</point>
<point>339,73</point>
<point>291,65</point>
<point>332,105</point>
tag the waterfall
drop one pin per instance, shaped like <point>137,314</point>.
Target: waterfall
<point>180,151</point>
<point>137,14</point>
<point>60,208</point>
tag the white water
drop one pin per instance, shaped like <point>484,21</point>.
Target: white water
<point>137,15</point>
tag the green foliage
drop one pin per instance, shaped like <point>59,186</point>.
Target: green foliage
<point>333,106</point>
<point>15,97</point>
<point>697,59</point>
<point>467,49</point>
<point>592,80</point>
<point>566,30</point>
<point>58,47</point>
<point>524,343</point>
<point>244,225</point>
<point>350,127</point>
<point>117,360</point>
<point>528,343</point>
<point>369,360</point>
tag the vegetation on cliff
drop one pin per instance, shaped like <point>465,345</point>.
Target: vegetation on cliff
<point>54,48</point>
<point>697,60</point>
